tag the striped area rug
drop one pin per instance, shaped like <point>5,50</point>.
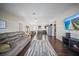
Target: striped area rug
<point>40,48</point>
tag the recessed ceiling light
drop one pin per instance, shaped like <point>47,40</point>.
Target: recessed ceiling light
<point>36,20</point>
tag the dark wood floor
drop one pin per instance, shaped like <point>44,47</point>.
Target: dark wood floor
<point>60,48</point>
<point>24,50</point>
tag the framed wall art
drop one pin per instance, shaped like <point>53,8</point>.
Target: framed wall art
<point>72,22</point>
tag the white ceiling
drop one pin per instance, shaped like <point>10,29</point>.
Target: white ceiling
<point>44,12</point>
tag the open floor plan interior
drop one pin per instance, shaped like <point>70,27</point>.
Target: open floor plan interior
<point>39,29</point>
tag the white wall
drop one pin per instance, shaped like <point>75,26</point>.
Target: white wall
<point>12,22</point>
<point>60,23</point>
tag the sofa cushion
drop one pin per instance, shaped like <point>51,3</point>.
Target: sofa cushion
<point>4,47</point>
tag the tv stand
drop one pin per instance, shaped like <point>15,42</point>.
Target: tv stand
<point>72,43</point>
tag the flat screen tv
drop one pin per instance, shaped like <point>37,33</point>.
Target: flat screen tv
<point>72,22</point>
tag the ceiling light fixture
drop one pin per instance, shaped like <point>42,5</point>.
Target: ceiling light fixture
<point>33,13</point>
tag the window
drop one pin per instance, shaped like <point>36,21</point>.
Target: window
<point>2,24</point>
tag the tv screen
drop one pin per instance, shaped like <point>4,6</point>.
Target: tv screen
<point>72,22</point>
